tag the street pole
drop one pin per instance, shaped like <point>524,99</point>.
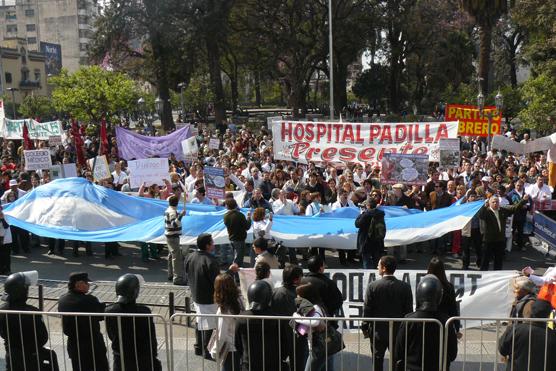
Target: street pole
<point>489,116</point>
<point>331,61</point>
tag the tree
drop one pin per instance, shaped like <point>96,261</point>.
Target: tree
<point>485,14</point>
<point>372,86</point>
<point>38,107</point>
<point>90,93</point>
<point>540,97</point>
<point>508,40</point>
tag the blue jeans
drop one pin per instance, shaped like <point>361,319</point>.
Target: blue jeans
<point>225,254</point>
<point>239,252</point>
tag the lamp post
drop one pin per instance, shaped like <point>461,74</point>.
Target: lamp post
<point>141,105</point>
<point>182,86</point>
<point>330,62</point>
<point>158,103</point>
<point>13,90</point>
<point>499,101</point>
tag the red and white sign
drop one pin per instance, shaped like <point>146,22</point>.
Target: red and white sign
<point>303,141</point>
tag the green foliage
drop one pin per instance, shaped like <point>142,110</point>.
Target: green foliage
<point>513,102</point>
<point>540,97</point>
<point>463,94</point>
<point>37,106</point>
<point>372,85</point>
<point>197,95</point>
<point>92,92</point>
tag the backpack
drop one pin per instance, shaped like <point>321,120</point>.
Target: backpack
<point>377,228</point>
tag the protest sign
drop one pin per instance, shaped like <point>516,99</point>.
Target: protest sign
<point>405,169</point>
<point>149,171</point>
<point>449,153</point>
<point>69,170</point>
<point>56,172</point>
<point>479,294</point>
<point>13,129</point>
<point>303,141</point>
<point>214,143</point>
<point>37,159</point>
<point>214,182</point>
<point>100,168</point>
<point>54,140</point>
<point>471,122</point>
<point>189,147</point>
<point>133,146</point>
<point>271,119</point>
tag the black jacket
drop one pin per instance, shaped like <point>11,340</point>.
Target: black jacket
<point>259,338</point>
<point>522,355</point>
<point>363,222</point>
<point>330,295</point>
<point>495,232</point>
<point>22,335</point>
<point>448,304</point>
<point>84,336</point>
<point>237,225</point>
<point>387,297</point>
<point>202,269</point>
<point>140,348</point>
<point>416,350</point>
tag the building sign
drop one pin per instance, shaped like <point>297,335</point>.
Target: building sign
<point>471,122</point>
<point>53,57</point>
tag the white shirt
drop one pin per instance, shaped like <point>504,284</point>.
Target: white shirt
<point>285,208</point>
<point>359,179</point>
<point>268,167</point>
<point>539,194</point>
<point>338,204</point>
<point>119,179</point>
<point>547,277</point>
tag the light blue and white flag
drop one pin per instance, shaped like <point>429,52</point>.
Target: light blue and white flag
<point>75,209</point>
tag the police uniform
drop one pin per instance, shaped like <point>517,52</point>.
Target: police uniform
<point>86,347</point>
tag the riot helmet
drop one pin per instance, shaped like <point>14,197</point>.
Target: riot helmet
<point>16,286</point>
<point>259,295</point>
<point>429,293</point>
<point>127,288</point>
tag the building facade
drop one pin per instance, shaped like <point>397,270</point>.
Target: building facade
<point>68,23</point>
<point>22,71</point>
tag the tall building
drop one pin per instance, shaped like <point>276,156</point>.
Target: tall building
<point>68,23</point>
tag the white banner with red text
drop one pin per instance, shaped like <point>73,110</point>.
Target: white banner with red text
<point>478,293</point>
<point>341,142</point>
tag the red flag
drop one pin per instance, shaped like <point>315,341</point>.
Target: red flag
<point>78,141</point>
<point>103,138</point>
<point>27,142</point>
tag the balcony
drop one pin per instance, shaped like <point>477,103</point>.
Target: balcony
<point>28,84</point>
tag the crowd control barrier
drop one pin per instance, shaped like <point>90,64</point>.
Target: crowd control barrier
<point>152,342</point>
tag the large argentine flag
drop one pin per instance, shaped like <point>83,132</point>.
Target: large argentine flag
<point>76,209</point>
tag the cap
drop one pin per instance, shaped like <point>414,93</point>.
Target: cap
<point>397,186</point>
<point>13,182</point>
<point>486,179</point>
<point>76,277</point>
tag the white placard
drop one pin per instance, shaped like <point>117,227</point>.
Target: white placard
<point>189,147</point>
<point>2,115</point>
<point>503,143</point>
<point>37,159</point>
<point>148,170</point>
<point>69,170</point>
<point>56,172</point>
<point>214,143</point>
<point>101,170</point>
<point>55,140</point>
<point>480,294</point>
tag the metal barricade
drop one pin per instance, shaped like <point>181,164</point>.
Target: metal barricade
<point>70,341</point>
<point>271,341</point>
<point>481,339</point>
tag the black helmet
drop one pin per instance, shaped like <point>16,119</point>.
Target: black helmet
<point>16,288</point>
<point>127,288</point>
<point>429,293</point>
<point>259,294</point>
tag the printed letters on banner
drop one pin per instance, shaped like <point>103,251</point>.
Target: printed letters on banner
<point>37,159</point>
<point>101,170</point>
<point>341,142</point>
<point>471,122</point>
<point>149,171</point>
<point>13,129</point>
<point>405,169</point>
<point>480,294</point>
<point>214,182</point>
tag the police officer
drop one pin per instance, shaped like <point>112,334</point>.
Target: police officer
<point>86,347</point>
<point>423,344</point>
<point>24,335</point>
<point>139,344</point>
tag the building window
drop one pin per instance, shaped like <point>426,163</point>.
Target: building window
<point>31,28</point>
<point>11,16</point>
<point>24,74</point>
<point>30,12</point>
<point>37,75</point>
<point>8,77</point>
<point>11,28</point>
<point>31,40</point>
